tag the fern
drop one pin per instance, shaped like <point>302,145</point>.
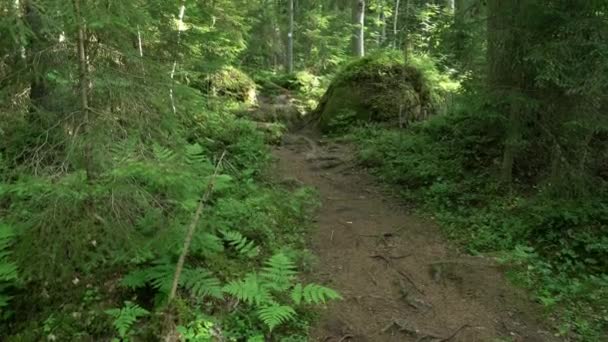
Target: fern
<point>249,290</point>
<point>198,282</point>
<point>163,154</point>
<point>201,283</point>
<point>279,272</point>
<point>125,318</point>
<point>276,278</point>
<point>313,294</point>
<point>241,244</point>
<point>8,270</point>
<point>275,315</point>
<point>195,154</point>
<point>159,276</point>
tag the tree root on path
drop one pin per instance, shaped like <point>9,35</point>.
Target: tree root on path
<point>404,327</point>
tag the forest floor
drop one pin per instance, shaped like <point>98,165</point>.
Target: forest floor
<point>400,279</point>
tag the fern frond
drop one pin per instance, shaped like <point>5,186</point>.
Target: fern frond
<point>207,245</point>
<point>8,270</point>
<point>313,294</point>
<point>159,276</point>
<point>279,272</point>
<point>276,315</point>
<point>249,290</point>
<point>127,316</point>
<point>241,244</point>
<point>195,154</point>
<point>163,154</point>
<point>201,283</point>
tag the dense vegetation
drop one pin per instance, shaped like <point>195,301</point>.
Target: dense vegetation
<point>136,199</point>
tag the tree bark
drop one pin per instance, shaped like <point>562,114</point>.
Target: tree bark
<point>396,23</point>
<point>506,74</point>
<point>180,23</point>
<point>359,28</point>
<point>290,38</point>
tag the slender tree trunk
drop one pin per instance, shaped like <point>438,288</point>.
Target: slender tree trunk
<point>506,74</point>
<point>406,35</point>
<point>35,60</point>
<point>139,43</point>
<point>383,23</point>
<point>180,24</point>
<point>84,82</point>
<point>396,23</point>
<point>290,38</point>
<point>358,39</point>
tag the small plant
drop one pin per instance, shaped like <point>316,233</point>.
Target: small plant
<point>8,270</point>
<point>267,290</point>
<point>125,318</point>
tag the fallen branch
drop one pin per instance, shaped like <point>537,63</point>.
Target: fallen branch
<point>346,337</point>
<point>455,333</point>
<point>192,228</point>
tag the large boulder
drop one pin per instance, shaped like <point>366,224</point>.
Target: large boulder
<point>378,88</point>
<point>229,82</point>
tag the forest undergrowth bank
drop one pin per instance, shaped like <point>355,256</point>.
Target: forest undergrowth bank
<point>554,245</point>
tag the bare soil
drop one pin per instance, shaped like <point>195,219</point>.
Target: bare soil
<point>401,281</point>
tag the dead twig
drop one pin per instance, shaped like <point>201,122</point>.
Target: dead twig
<point>455,333</point>
<point>402,273</point>
<point>346,337</point>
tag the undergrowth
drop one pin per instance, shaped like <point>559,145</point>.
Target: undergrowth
<point>557,245</point>
<point>90,260</point>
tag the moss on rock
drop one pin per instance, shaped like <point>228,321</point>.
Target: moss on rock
<point>229,82</point>
<point>378,88</point>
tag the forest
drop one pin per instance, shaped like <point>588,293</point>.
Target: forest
<point>304,170</point>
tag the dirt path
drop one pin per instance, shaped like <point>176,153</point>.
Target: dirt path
<point>400,280</point>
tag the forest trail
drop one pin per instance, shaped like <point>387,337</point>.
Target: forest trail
<point>401,281</point>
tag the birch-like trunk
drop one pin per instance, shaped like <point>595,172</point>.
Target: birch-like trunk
<point>180,24</point>
<point>396,23</point>
<point>290,38</point>
<point>359,28</point>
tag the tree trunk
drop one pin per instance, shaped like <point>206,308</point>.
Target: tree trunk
<point>506,74</point>
<point>35,46</point>
<point>383,28</point>
<point>290,38</point>
<point>396,23</point>
<point>406,38</point>
<point>180,24</point>
<point>358,39</point>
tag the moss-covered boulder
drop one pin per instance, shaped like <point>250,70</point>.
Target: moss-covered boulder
<point>378,88</point>
<point>229,82</point>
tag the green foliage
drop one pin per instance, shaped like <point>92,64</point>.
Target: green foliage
<point>126,317</point>
<point>382,88</point>
<point>449,165</point>
<point>229,82</point>
<point>241,244</point>
<point>8,270</point>
<point>264,291</point>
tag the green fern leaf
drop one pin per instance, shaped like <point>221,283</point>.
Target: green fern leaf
<point>241,244</point>
<point>159,276</point>
<point>195,154</point>
<point>127,316</point>
<point>8,270</point>
<point>296,294</point>
<point>279,272</point>
<point>276,315</point>
<point>163,154</point>
<point>317,294</point>
<point>249,290</point>
<point>201,283</point>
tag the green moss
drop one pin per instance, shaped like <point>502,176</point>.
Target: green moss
<point>375,88</point>
<point>229,82</point>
